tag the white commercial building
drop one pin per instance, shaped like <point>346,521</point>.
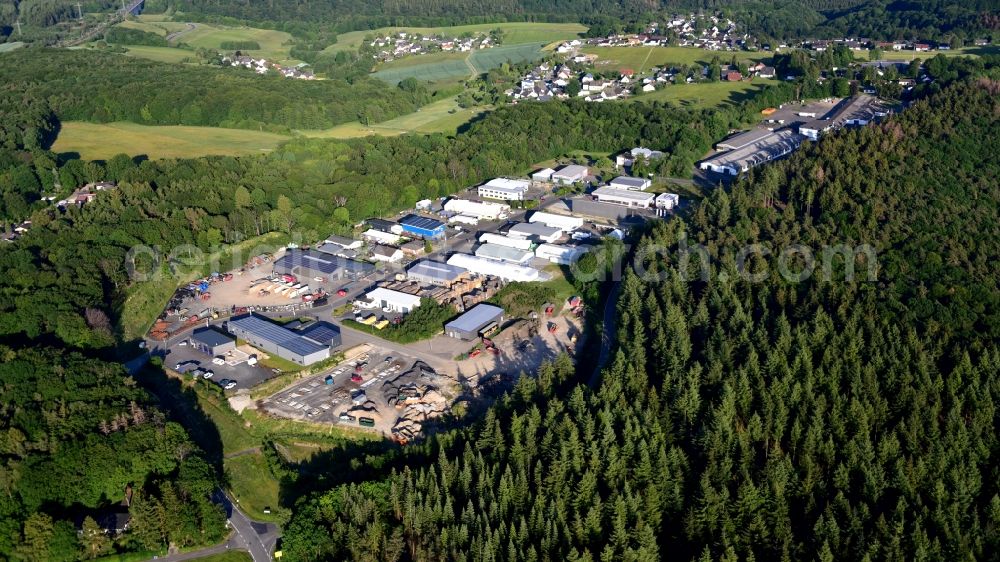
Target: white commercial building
<point>631,184</point>
<point>464,219</point>
<point>628,158</point>
<point>667,201</point>
<point>480,209</point>
<point>570,174</point>
<point>567,224</point>
<point>624,197</point>
<point>505,271</point>
<point>545,174</point>
<point>519,243</point>
<point>561,254</point>
<point>343,242</point>
<point>380,236</point>
<point>389,300</point>
<point>541,231</point>
<point>504,253</point>
<point>504,188</point>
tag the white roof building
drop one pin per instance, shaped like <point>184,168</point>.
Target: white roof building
<point>559,253</point>
<point>570,174</point>
<point>434,272</point>
<point>667,201</point>
<point>629,183</point>
<point>545,174</point>
<point>464,219</point>
<point>519,243</point>
<point>504,188</point>
<point>505,271</point>
<point>624,197</point>
<point>628,158</point>
<point>390,254</point>
<point>567,224</point>
<point>538,230</point>
<point>504,253</point>
<point>387,299</point>
<point>479,209</point>
<point>380,236</point>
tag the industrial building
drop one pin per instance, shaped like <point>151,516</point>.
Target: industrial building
<point>269,337</point>
<point>482,319</point>
<point>745,138</point>
<point>566,224</point>
<point>766,149</point>
<point>505,189</point>
<point>624,197</point>
<point>504,254</point>
<point>536,231</point>
<point>631,184</point>
<point>667,201</point>
<point>212,342</point>
<point>389,300</point>
<point>570,174</point>
<point>422,226</point>
<point>505,271</point>
<point>308,264</point>
<point>322,333</point>
<point>389,254</point>
<point>337,250</point>
<point>545,174</point>
<point>435,273</point>
<point>628,158</point>
<point>380,236</point>
<point>482,210</point>
<point>384,225</point>
<point>464,219</point>
<point>519,243</point>
<point>560,253</point>
<point>344,242</point>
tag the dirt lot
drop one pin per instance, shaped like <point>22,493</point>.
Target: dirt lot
<point>522,352</point>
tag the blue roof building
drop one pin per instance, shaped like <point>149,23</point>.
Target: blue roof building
<point>422,226</point>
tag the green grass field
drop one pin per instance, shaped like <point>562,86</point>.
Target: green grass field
<point>439,117</point>
<point>640,59</point>
<point>436,67</point>
<point>161,54</point>
<point>704,94</point>
<point>100,141</point>
<point>515,33</point>
<point>274,45</point>
<point>910,55</point>
<point>253,485</point>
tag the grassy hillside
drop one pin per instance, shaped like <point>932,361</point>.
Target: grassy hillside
<point>100,141</point>
<point>443,66</point>
<point>704,94</point>
<point>514,33</point>
<point>642,58</point>
<point>439,117</point>
<point>274,45</point>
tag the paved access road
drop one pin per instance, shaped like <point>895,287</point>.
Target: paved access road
<point>252,536</point>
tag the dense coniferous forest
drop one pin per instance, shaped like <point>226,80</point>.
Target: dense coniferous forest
<point>769,420</point>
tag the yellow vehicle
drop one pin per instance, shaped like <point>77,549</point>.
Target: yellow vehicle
<point>381,324</point>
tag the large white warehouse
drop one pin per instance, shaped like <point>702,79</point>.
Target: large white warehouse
<point>504,188</point>
<point>479,209</point>
<point>393,301</point>
<point>504,253</point>
<point>519,243</point>
<point>561,222</point>
<point>539,230</point>
<point>561,254</point>
<point>483,266</point>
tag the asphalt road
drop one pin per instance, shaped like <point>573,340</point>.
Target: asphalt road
<point>254,537</point>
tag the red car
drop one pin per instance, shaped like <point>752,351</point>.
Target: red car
<point>341,293</point>
<point>356,378</point>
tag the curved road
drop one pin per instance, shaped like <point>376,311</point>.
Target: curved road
<point>254,537</point>
<point>171,37</point>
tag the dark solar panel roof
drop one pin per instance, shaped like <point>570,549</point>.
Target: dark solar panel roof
<point>321,332</point>
<point>278,335</point>
<point>211,337</point>
<point>317,261</point>
<point>381,224</point>
<point>302,346</point>
<point>424,223</point>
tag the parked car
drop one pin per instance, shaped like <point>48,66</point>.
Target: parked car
<point>183,343</point>
<point>227,384</point>
<point>208,374</point>
<point>219,360</point>
<point>276,371</point>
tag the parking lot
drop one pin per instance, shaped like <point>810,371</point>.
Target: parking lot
<point>246,376</point>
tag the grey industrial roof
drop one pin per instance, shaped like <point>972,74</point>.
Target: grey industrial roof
<point>322,333</point>
<point>336,250</point>
<point>416,221</point>
<point>479,316</point>
<point>436,270</point>
<point>381,224</point>
<point>632,182</point>
<point>532,229</point>
<point>571,170</point>
<point>317,261</point>
<point>340,240</point>
<point>211,337</point>
<point>739,140</point>
<point>278,335</point>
